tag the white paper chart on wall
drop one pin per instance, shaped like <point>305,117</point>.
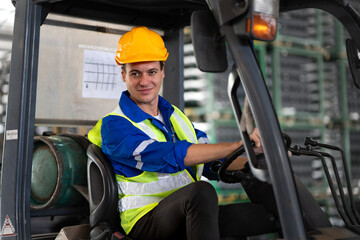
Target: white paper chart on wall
<point>101,75</point>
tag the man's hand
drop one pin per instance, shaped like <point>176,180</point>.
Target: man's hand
<point>255,137</point>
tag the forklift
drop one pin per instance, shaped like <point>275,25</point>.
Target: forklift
<point>216,25</point>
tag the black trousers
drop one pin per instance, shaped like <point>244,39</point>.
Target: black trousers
<point>193,213</point>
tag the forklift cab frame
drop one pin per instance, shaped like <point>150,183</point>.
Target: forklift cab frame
<point>170,17</point>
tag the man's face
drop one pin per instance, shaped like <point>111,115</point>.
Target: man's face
<point>143,81</point>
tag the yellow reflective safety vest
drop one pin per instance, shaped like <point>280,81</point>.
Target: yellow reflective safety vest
<point>140,194</point>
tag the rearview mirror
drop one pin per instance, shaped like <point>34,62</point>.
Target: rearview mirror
<point>209,45</point>
<point>354,61</point>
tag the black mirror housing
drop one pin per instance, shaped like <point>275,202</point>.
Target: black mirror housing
<point>209,44</point>
<point>353,60</point>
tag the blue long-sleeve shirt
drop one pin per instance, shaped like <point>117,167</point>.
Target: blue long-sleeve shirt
<point>121,139</point>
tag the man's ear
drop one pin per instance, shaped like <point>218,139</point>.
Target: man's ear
<point>123,75</point>
<point>163,69</point>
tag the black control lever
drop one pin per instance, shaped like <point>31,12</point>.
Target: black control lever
<point>340,187</point>
<point>312,142</point>
<point>287,140</point>
<point>299,150</point>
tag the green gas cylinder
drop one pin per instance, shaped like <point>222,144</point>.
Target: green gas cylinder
<point>59,163</point>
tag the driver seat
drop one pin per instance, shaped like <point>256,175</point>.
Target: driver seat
<point>103,197</point>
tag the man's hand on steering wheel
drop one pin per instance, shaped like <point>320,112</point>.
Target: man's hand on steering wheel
<point>255,137</point>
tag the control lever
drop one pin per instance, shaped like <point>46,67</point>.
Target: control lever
<point>314,143</point>
<point>287,140</point>
<point>340,187</point>
<point>299,150</point>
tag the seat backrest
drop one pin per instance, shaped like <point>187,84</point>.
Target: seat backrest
<point>103,192</point>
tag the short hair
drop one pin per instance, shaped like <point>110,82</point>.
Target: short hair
<point>123,66</point>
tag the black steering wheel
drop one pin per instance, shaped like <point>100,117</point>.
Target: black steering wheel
<point>229,176</point>
<point>235,176</point>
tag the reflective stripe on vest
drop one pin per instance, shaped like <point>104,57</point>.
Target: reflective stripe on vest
<point>187,131</point>
<point>133,202</point>
<point>165,182</point>
<point>200,169</point>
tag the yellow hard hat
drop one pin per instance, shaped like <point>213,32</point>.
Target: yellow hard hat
<point>140,45</point>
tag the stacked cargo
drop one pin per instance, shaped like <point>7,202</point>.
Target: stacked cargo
<point>299,26</point>
<point>352,125</point>
<point>332,104</point>
<point>297,82</point>
<point>195,94</point>
<point>354,155</point>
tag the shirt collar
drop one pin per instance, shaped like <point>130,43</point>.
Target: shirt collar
<point>132,110</point>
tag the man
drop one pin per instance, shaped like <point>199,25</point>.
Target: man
<point>159,157</point>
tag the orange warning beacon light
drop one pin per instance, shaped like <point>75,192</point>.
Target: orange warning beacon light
<point>261,24</point>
